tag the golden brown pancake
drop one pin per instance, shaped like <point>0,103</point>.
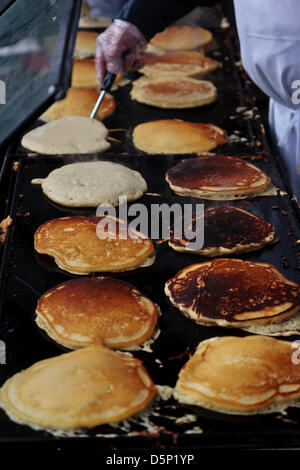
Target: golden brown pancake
<point>85,8</point>
<point>240,375</point>
<point>181,38</point>
<point>178,63</point>
<point>83,312</point>
<point>85,44</point>
<point>173,136</point>
<point>76,247</point>
<point>227,230</point>
<point>84,74</point>
<point>217,177</point>
<point>233,293</point>
<point>94,22</point>
<point>78,389</point>
<point>173,92</point>
<point>80,102</point>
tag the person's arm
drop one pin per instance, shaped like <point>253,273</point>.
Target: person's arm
<point>118,47</point>
<point>152,16</point>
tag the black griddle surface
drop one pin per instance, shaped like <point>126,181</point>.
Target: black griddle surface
<point>26,276</point>
<point>31,275</point>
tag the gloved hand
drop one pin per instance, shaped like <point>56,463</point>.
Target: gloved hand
<point>117,48</point>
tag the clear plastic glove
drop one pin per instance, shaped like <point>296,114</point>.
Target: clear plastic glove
<point>117,49</point>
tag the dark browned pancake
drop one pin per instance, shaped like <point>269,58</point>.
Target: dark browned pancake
<point>232,292</point>
<point>217,177</point>
<point>227,230</point>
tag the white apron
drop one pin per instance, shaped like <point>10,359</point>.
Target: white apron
<point>269,32</point>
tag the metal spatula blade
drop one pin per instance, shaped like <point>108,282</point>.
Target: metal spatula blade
<point>105,87</point>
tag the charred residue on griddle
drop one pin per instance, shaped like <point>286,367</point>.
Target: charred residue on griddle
<point>187,352</point>
<point>285,262</point>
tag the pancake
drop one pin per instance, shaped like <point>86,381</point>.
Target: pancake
<point>85,9</point>
<point>75,134</point>
<point>287,327</point>
<point>88,184</point>
<point>218,178</point>
<point>181,38</point>
<point>85,44</point>
<point>84,74</point>
<point>173,92</point>
<point>78,389</point>
<point>227,230</point>
<point>240,375</point>
<point>83,312</point>
<point>173,136</point>
<point>80,102</point>
<point>178,64</point>
<point>233,293</point>
<point>76,246</point>
<point>94,22</point>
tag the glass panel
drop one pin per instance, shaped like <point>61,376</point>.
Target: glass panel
<point>33,37</point>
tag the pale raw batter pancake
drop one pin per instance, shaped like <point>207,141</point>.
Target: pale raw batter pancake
<point>178,64</point>
<point>82,245</point>
<point>227,230</point>
<point>85,44</point>
<point>88,184</point>
<point>233,293</point>
<point>80,102</point>
<point>173,92</point>
<point>173,136</point>
<point>181,38</point>
<point>76,134</point>
<point>217,177</point>
<point>240,375</point>
<point>84,388</point>
<point>83,312</point>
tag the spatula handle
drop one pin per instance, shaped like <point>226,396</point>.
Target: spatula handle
<point>108,81</point>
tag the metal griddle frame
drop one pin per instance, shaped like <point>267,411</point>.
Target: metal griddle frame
<point>58,79</point>
<point>26,345</point>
